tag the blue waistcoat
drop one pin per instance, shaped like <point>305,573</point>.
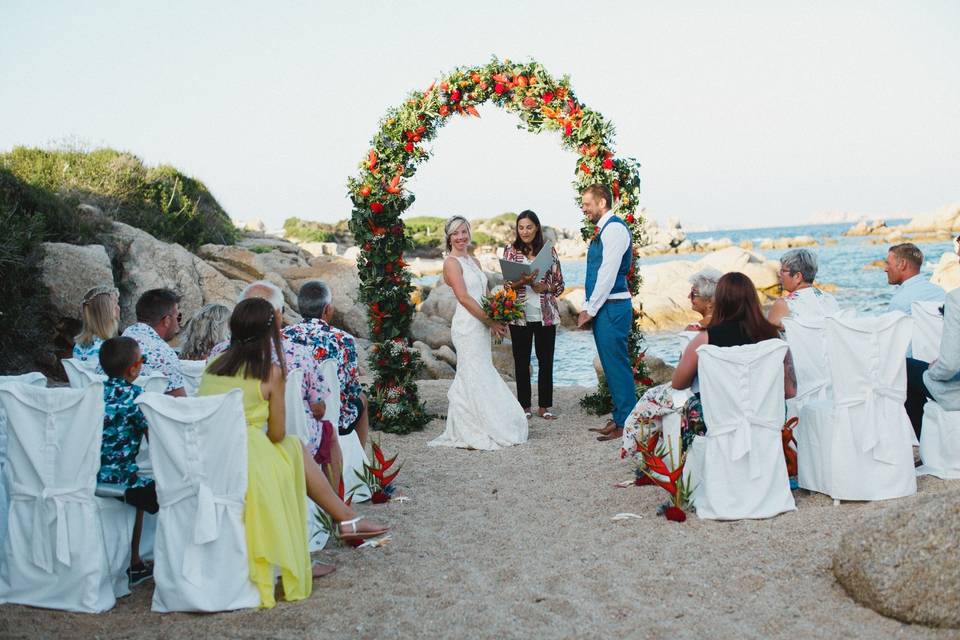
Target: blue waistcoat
<point>595,257</point>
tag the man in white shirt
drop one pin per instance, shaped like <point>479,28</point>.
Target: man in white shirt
<point>608,305</point>
<point>903,268</point>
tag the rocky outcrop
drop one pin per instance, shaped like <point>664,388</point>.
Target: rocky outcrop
<point>441,303</point>
<point>432,330</point>
<point>787,242</point>
<point>344,282</point>
<point>234,262</point>
<point>147,263</point>
<point>904,563</point>
<point>435,368</point>
<point>70,270</point>
<point>947,272</point>
<point>945,218</point>
<point>868,228</point>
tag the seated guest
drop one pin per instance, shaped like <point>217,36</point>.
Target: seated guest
<point>798,269</point>
<point>316,306</point>
<point>940,379</point>
<point>158,320</point>
<point>124,427</point>
<point>903,268</point>
<point>323,443</point>
<point>205,330</point>
<point>737,320</point>
<point>101,321</point>
<point>280,470</point>
<point>702,286</point>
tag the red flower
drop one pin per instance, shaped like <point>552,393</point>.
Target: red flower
<point>379,497</point>
<point>643,481</point>
<point>608,163</point>
<point>596,232</point>
<point>529,102</point>
<point>630,219</point>
<point>646,381</point>
<point>499,88</point>
<point>408,146</point>
<point>402,307</point>
<point>421,129</point>
<point>444,110</point>
<point>547,97</point>
<point>455,96</point>
<point>396,229</point>
<point>365,190</point>
<point>584,168</point>
<point>568,129</point>
<point>376,207</point>
<point>367,246</point>
<point>675,514</point>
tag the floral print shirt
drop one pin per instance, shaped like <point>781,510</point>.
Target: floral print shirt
<point>124,426</point>
<point>329,342</point>
<point>548,300</point>
<point>89,354</point>
<point>313,390</point>
<point>158,356</point>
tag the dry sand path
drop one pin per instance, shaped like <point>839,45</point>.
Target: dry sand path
<point>519,543</point>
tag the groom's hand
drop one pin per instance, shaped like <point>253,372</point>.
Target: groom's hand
<point>583,319</point>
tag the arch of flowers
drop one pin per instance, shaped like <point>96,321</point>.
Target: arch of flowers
<point>543,103</point>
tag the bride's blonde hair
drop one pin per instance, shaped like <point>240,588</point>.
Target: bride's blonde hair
<point>450,227</point>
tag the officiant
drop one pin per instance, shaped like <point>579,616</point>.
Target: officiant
<point>537,292</point>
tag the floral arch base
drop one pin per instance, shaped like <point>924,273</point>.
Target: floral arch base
<point>379,197</point>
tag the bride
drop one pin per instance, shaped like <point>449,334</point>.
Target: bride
<point>482,414</point>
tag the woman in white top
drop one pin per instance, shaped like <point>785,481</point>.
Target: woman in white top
<point>538,295</point>
<point>798,269</point>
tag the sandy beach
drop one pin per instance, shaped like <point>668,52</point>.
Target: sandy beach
<point>520,543</point>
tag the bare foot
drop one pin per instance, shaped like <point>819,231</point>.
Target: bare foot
<point>607,428</point>
<point>320,570</point>
<point>616,434</point>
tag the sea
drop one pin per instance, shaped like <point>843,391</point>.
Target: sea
<point>844,264</point>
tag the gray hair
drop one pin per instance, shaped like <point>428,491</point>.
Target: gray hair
<point>274,297</point>
<point>450,227</point>
<point>208,327</point>
<point>802,261</point>
<point>314,298</point>
<point>705,282</point>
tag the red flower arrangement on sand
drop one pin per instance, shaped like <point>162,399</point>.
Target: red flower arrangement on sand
<point>377,476</point>
<point>657,472</point>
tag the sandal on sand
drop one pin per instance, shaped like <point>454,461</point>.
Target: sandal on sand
<point>354,533</point>
<point>605,429</point>
<point>616,434</point>
<point>546,415</point>
<point>320,570</point>
<point>527,413</point>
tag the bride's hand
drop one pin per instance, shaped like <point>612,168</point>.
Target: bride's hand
<point>498,329</point>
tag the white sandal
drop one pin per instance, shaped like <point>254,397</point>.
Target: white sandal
<point>355,534</point>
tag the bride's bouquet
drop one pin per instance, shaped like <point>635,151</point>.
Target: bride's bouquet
<point>501,306</point>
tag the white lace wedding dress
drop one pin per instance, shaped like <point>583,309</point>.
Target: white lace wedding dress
<point>482,412</point>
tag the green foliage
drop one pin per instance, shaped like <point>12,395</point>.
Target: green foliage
<point>425,231</point>
<point>160,200</point>
<point>307,231</point>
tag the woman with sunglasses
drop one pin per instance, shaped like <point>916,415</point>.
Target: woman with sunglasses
<point>798,268</point>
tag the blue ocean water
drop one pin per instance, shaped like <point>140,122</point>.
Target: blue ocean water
<point>841,264</point>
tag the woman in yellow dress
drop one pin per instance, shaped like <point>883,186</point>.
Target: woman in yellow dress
<point>280,473</point>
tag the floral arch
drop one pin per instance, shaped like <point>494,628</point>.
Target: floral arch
<point>379,197</point>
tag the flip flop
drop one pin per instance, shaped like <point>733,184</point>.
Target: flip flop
<point>358,535</point>
<point>546,415</point>
<point>613,435</point>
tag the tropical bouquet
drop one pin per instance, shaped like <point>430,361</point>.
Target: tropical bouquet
<point>656,471</point>
<point>377,475</point>
<point>501,306</point>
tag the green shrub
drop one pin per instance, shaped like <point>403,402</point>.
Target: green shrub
<point>307,231</point>
<point>160,200</point>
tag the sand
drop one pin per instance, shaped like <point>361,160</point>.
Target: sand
<point>519,543</point>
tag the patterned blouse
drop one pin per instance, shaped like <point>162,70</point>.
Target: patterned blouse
<point>123,428</point>
<point>329,342</point>
<point>548,300</point>
<point>158,356</point>
<point>89,354</point>
<point>313,389</point>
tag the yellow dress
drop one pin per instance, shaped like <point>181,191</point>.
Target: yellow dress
<point>275,515</point>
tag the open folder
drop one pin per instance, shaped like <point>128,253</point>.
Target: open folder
<point>513,271</point>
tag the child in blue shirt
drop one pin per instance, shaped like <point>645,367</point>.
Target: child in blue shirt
<point>124,427</point>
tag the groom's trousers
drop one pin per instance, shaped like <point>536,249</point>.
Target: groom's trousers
<point>611,328</point>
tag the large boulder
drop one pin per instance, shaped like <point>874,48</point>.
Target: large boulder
<point>233,262</point>
<point>947,272</point>
<point>432,330</point>
<point>344,282</point>
<point>440,303</point>
<point>69,270</point>
<point>903,562</point>
<point>434,368</point>
<point>947,217</point>
<point>147,263</point>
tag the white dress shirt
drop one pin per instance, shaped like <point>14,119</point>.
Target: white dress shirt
<point>616,241</point>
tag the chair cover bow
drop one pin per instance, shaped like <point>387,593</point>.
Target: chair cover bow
<point>878,402</point>
<point>740,441</point>
<point>44,516</point>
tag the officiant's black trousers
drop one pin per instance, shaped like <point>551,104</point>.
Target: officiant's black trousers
<point>543,339</point>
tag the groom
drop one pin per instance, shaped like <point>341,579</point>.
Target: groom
<point>608,303</point>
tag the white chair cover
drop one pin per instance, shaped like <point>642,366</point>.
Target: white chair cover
<point>940,442</point>
<point>927,330</point>
<point>80,373</point>
<point>54,552</point>
<point>738,469</point>
<point>199,450</point>
<point>354,457</point>
<point>670,428</point>
<point>192,372</point>
<point>807,339</point>
<point>296,424</point>
<point>860,445</point>
<point>37,379</point>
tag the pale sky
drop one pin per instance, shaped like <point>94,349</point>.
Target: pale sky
<point>741,113</point>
